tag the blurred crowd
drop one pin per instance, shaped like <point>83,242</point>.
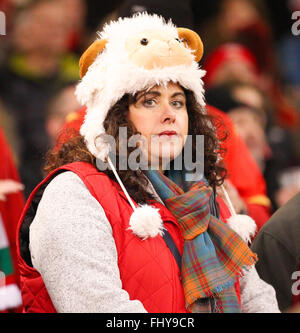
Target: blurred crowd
<point>251,56</point>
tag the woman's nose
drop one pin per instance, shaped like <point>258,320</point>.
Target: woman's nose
<point>168,114</point>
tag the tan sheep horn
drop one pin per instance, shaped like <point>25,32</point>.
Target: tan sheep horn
<point>90,55</point>
<point>193,41</point>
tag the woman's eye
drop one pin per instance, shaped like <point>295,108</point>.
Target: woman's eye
<point>178,104</point>
<point>149,102</point>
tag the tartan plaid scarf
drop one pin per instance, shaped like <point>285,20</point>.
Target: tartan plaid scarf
<point>213,255</point>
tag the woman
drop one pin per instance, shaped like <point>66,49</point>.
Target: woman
<point>145,238</point>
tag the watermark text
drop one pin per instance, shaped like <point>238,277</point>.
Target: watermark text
<point>155,153</point>
<point>296,25</point>
<point>296,284</point>
<point>2,23</point>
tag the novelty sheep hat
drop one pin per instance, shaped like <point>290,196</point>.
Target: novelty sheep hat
<point>131,55</point>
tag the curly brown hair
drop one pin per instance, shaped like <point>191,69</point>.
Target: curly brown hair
<point>75,149</point>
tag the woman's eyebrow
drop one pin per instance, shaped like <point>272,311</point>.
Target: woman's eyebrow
<point>157,93</point>
<point>151,93</point>
<point>179,93</point>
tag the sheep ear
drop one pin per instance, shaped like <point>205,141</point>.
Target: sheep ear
<point>90,55</point>
<point>192,41</point>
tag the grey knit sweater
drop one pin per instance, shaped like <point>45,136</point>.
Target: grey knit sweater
<point>72,247</point>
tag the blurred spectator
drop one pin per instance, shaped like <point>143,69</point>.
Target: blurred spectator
<point>282,161</point>
<point>246,22</point>
<point>278,248</point>
<point>249,121</point>
<point>37,66</point>
<point>61,109</point>
<point>235,62</point>
<point>11,206</point>
<point>271,146</point>
<point>229,19</point>
<point>231,62</point>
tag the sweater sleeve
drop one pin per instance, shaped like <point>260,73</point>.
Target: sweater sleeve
<point>257,296</point>
<point>72,247</point>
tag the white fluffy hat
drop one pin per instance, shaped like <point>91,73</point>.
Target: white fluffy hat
<point>131,55</point>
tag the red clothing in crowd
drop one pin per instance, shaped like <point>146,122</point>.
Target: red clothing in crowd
<point>10,209</point>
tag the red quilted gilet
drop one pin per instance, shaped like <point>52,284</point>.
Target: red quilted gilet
<point>148,270</point>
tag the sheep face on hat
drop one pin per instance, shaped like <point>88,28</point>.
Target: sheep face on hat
<point>155,49</point>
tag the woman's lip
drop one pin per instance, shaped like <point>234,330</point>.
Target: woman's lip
<point>169,133</point>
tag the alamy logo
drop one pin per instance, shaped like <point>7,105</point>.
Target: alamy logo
<point>2,23</point>
<point>296,26</point>
<point>296,284</point>
<point>133,153</point>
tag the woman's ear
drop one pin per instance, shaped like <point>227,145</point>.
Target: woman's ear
<point>192,40</point>
<point>90,55</point>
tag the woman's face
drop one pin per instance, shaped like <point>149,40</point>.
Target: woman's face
<point>160,115</point>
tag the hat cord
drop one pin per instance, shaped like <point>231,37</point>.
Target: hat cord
<point>120,183</point>
<point>231,208</point>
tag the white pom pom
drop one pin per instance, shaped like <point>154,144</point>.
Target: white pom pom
<point>243,225</point>
<point>146,222</point>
